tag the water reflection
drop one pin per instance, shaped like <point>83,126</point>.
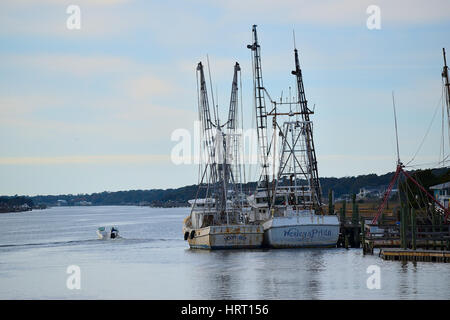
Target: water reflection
<point>153,262</point>
<point>314,266</point>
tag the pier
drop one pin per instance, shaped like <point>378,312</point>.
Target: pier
<point>414,255</point>
<point>401,234</point>
<point>405,234</point>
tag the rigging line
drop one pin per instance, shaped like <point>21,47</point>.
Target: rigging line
<point>212,93</point>
<point>242,127</point>
<point>428,130</point>
<point>253,122</point>
<point>426,200</point>
<point>396,132</point>
<point>201,138</point>
<point>217,99</point>
<point>433,164</point>
<point>410,191</point>
<point>421,194</point>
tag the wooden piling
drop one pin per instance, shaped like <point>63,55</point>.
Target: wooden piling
<point>403,228</point>
<point>330,202</point>
<point>363,236</point>
<point>434,219</point>
<point>413,228</point>
<point>355,218</point>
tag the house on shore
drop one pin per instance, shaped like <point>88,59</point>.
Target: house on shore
<point>442,193</point>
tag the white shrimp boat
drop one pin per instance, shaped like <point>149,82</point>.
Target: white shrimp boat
<point>290,226</point>
<point>201,233</point>
<point>218,220</point>
<point>288,207</point>
<point>301,229</point>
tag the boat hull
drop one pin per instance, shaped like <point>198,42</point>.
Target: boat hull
<point>298,233</point>
<point>107,235</point>
<point>227,237</point>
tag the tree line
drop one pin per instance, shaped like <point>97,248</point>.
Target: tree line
<point>179,196</point>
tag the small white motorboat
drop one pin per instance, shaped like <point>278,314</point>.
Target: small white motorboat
<point>108,233</point>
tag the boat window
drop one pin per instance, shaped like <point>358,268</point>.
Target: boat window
<point>280,200</point>
<point>261,200</point>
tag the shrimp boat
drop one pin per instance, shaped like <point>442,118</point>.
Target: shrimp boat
<point>204,228</point>
<point>288,206</point>
<point>217,219</point>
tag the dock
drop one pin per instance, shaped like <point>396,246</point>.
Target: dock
<point>399,236</point>
<point>397,254</point>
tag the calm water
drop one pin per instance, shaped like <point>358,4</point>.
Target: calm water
<point>153,262</point>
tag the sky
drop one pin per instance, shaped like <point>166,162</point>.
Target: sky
<point>94,109</point>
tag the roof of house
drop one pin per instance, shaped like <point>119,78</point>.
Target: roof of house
<point>445,185</point>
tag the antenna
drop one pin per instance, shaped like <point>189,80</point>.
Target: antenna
<point>217,105</point>
<point>445,60</point>
<point>293,35</point>
<point>396,131</point>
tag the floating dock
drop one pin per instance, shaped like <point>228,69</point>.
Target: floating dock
<point>414,255</point>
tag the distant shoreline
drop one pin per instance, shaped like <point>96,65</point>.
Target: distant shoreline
<point>98,205</point>
<point>342,189</point>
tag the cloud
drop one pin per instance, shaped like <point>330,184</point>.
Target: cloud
<point>20,106</point>
<point>66,2</point>
<point>48,18</point>
<point>132,105</point>
<point>46,124</point>
<point>331,12</point>
<point>87,159</point>
<point>345,165</point>
<point>147,86</point>
<point>71,64</point>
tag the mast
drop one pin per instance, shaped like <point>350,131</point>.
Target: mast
<point>205,115</point>
<point>447,87</point>
<point>231,123</point>
<point>316,192</point>
<point>261,112</point>
<point>222,149</point>
<point>214,172</point>
<point>396,131</point>
<point>233,142</point>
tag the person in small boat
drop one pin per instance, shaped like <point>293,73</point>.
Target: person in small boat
<point>113,233</point>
